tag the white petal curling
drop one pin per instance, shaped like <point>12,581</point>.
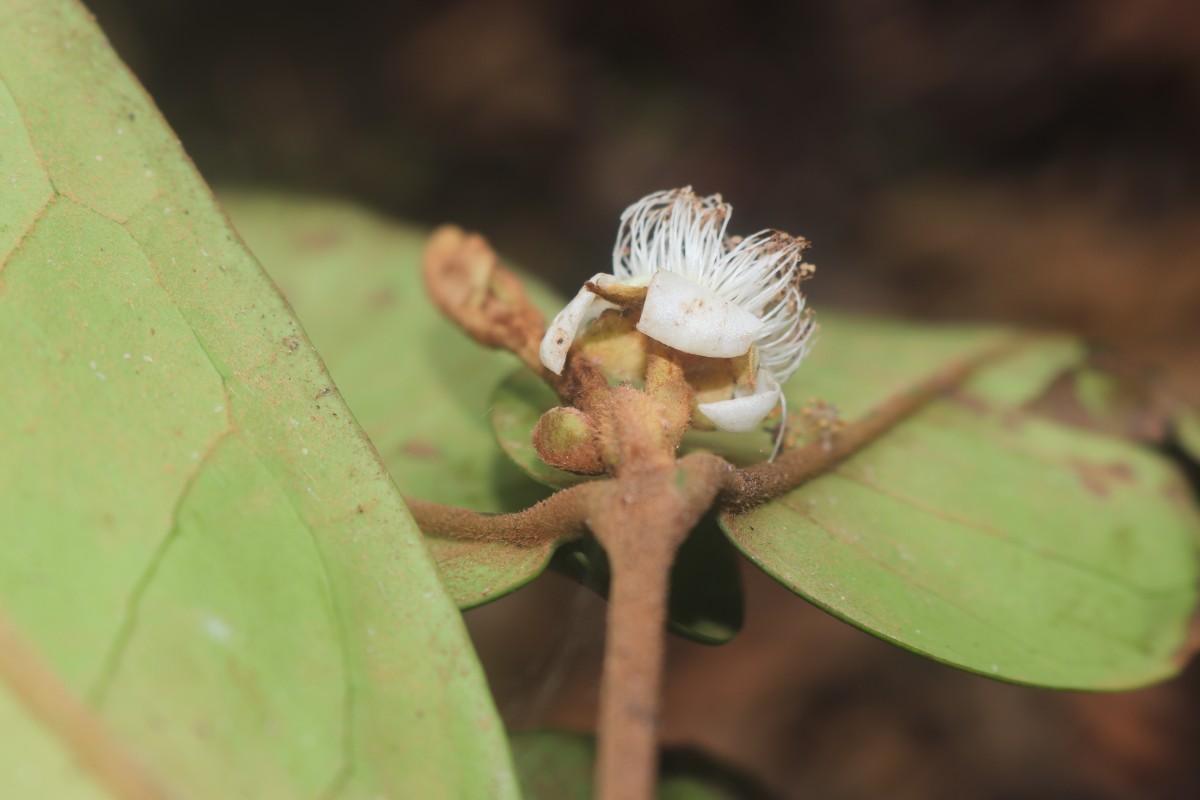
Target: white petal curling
<point>742,414</point>
<point>678,231</point>
<point>682,314</point>
<point>582,309</point>
<point>709,294</point>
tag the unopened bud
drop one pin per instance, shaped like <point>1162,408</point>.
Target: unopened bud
<point>565,438</point>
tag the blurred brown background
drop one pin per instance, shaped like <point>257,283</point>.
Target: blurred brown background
<point>1023,161</point>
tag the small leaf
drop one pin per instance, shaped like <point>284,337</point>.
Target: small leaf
<point>419,387</point>
<point>475,573</point>
<point>706,590</point>
<point>705,604</point>
<point>982,534</point>
<point>558,765</point>
<point>207,561</point>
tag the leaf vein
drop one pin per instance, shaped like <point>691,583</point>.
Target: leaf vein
<point>912,581</point>
<point>999,535</point>
<point>115,655</point>
<point>40,214</point>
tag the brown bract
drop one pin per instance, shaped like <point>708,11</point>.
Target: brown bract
<point>465,280</point>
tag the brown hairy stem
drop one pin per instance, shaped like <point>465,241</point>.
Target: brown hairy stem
<point>560,517</point>
<point>763,482</point>
<point>642,520</point>
<point>641,544</point>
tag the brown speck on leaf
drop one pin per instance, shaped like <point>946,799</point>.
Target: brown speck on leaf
<point>324,392</point>
<point>1178,493</point>
<point>1134,403</point>
<point>419,448</point>
<point>319,239</point>
<point>292,343</point>
<point>381,298</point>
<point>970,402</point>
<point>1099,478</point>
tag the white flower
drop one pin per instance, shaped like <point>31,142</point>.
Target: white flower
<point>707,294</point>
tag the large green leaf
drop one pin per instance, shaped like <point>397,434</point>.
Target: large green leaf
<point>419,387</point>
<point>985,535</point>
<point>197,540</point>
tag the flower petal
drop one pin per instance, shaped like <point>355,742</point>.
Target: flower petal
<point>742,414</point>
<point>582,309</point>
<point>682,314</point>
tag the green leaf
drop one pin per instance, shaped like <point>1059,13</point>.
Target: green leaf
<point>706,589</point>
<point>419,387</point>
<point>33,761</point>
<point>981,533</point>
<point>558,765</point>
<point>198,542</point>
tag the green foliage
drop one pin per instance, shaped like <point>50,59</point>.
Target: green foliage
<point>204,554</point>
<point>983,532</point>
<point>418,386</point>
<point>198,542</point>
<point>986,534</point>
<point>706,590</point>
